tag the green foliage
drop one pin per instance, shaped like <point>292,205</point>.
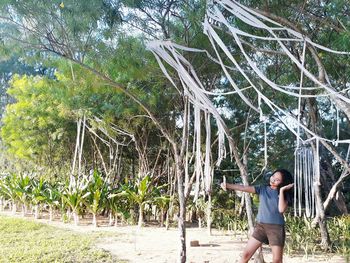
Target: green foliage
<point>23,188</point>
<point>8,186</point>
<point>52,195</point>
<point>75,194</point>
<point>142,191</point>
<point>38,187</point>
<point>119,204</point>
<point>339,228</point>
<point>97,193</point>
<point>304,238</point>
<point>33,126</point>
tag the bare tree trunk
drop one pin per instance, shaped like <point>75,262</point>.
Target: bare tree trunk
<point>14,208</point>
<point>332,187</point>
<point>161,219</point>
<point>167,220</point>
<point>36,211</point>
<point>182,208</point>
<point>209,219</point>
<point>341,202</point>
<point>76,218</point>
<point>325,240</point>
<point>115,219</point>
<point>50,214</point>
<point>94,220</point>
<point>23,210</point>
<point>68,213</point>
<point>320,214</point>
<point>111,219</point>
<point>140,223</point>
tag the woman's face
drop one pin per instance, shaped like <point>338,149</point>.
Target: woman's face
<point>276,179</point>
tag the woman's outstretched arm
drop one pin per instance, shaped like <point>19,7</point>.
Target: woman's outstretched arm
<point>238,187</point>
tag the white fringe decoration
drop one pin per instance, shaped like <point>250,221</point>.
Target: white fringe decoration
<point>304,178</point>
<point>171,54</point>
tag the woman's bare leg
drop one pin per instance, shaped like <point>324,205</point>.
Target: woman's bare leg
<point>249,250</point>
<point>277,254</point>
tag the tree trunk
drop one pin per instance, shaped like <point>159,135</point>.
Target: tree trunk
<point>76,218</point>
<point>259,256</point>
<point>332,187</point>
<point>325,240</point>
<point>116,219</point>
<point>167,220</point>
<point>161,219</point>
<point>182,208</point>
<point>68,214</point>
<point>36,211</point>
<point>23,210</point>
<point>209,214</point>
<point>341,202</point>
<point>94,220</point>
<point>110,216</point>
<point>140,223</point>
<point>51,213</point>
<point>14,208</point>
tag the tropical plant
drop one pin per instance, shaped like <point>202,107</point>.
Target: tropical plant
<point>119,206</point>
<point>23,189</point>
<point>143,191</point>
<point>74,196</point>
<point>37,196</point>
<point>53,197</point>
<point>8,189</point>
<point>162,202</point>
<point>97,192</point>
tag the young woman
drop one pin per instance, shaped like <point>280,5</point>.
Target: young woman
<point>273,202</point>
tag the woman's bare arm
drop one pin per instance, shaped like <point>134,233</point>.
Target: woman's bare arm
<point>282,202</point>
<point>238,187</point>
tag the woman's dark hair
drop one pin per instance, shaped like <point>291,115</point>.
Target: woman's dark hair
<point>287,178</point>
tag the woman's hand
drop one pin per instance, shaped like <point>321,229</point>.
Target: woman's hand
<point>286,187</point>
<point>223,186</point>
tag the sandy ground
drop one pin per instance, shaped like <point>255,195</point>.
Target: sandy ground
<point>158,245</point>
<point>152,244</point>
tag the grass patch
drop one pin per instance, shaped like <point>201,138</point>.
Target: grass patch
<point>26,241</point>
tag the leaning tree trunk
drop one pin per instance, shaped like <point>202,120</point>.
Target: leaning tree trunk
<point>333,188</point>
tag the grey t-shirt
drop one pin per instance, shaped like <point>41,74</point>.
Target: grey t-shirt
<point>268,206</point>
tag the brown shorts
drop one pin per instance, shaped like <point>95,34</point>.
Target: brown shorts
<point>272,234</point>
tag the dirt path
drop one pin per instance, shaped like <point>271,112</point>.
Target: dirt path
<point>158,245</point>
